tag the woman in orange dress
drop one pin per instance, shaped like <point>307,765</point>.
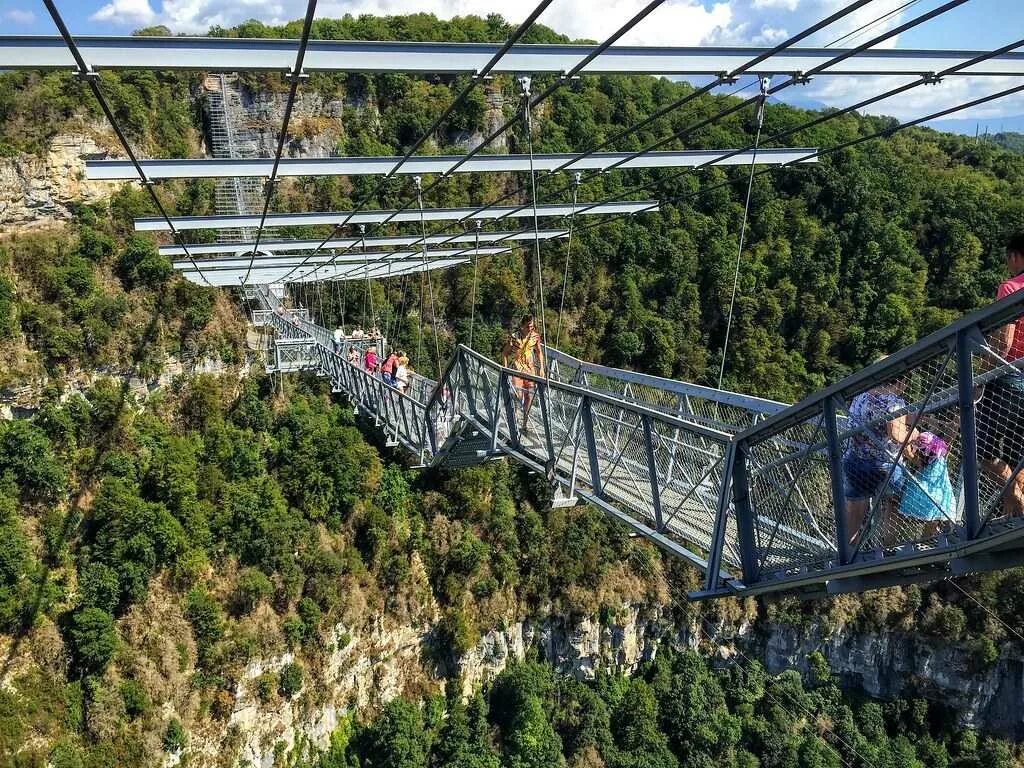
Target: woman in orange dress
<point>523,352</point>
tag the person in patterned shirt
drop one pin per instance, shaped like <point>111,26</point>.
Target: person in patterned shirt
<point>523,352</point>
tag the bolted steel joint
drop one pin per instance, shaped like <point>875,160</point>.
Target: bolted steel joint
<point>86,76</point>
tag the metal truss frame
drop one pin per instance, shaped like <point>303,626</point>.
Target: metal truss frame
<point>264,55</point>
<point>217,168</point>
<point>199,249</point>
<point>245,221</point>
<point>362,270</point>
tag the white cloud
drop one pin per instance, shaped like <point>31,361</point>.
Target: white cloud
<point>788,5</point>
<point>770,36</point>
<point>677,22</point>
<point>923,100</point>
<point>125,12</point>
<point>20,16</point>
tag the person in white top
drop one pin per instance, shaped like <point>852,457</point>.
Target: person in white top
<point>339,336</point>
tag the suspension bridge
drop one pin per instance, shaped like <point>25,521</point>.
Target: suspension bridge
<point>756,494</point>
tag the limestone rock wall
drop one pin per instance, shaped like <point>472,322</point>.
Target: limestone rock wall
<point>36,192</point>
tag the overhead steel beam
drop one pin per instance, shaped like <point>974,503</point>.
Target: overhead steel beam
<point>218,168</point>
<point>370,242</point>
<point>283,259</point>
<point>211,54</point>
<point>266,275</point>
<point>376,217</point>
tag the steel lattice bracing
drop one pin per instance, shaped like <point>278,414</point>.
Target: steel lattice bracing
<point>745,489</point>
<point>261,55</point>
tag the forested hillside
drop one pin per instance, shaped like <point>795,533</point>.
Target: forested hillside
<point>153,550</point>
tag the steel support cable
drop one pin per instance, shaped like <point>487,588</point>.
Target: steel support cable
<point>924,80</point>
<point>295,76</point>
<point>568,254</point>
<point>476,268</point>
<point>482,75</point>
<point>798,79</point>
<point>91,78</point>
<point>528,127</point>
<point>558,83</point>
<point>743,228</point>
<point>884,133</point>
<point>724,78</point>
<point>868,25</point>
<point>426,273</point>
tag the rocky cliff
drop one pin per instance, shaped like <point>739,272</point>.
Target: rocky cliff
<point>36,192</point>
<point>366,668</point>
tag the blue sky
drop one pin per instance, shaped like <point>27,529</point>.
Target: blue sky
<point>978,24</point>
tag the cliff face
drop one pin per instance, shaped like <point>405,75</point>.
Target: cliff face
<point>366,668</point>
<point>892,664</point>
<point>36,192</point>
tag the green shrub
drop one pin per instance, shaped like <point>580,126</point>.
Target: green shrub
<point>175,738</point>
<point>252,587</point>
<point>139,264</point>
<point>93,640</point>
<point>136,702</point>
<point>206,618</point>
<point>290,679</point>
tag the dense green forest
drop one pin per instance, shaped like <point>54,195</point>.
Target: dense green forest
<point>245,520</point>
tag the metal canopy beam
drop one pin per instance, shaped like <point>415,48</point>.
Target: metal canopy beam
<point>218,168</point>
<point>284,259</point>
<point>351,242</point>
<point>233,54</point>
<point>376,217</point>
<point>266,275</point>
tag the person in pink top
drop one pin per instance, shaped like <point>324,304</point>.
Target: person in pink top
<point>372,360</point>
<point>1000,412</point>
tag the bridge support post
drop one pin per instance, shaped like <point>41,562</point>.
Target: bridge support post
<point>968,432</point>
<point>744,515</point>
<point>588,433</point>
<point>652,471</point>
<point>721,519</point>
<point>835,469</point>
<point>505,393</point>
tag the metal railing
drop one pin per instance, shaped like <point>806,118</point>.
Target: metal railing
<point>835,492</point>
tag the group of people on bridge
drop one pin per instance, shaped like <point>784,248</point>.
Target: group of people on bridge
<point>904,470</point>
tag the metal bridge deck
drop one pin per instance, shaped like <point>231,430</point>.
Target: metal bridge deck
<point>745,489</point>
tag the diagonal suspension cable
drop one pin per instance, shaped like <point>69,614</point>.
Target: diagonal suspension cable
<point>295,76</point>
<point>567,77</point>
<point>481,76</point>
<point>743,228</point>
<point>722,79</point>
<point>794,80</point>
<point>735,108</point>
<point>930,79</point>
<point>92,78</point>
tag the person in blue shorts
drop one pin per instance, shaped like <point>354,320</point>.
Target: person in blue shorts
<point>873,460</point>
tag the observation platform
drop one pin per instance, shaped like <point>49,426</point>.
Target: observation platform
<point>749,491</point>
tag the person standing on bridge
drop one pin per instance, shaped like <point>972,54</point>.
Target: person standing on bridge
<point>387,369</point>
<point>873,462</point>
<point>1000,412</point>
<point>339,337</point>
<point>523,352</point>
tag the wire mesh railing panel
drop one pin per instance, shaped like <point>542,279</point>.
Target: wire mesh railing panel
<point>790,497</point>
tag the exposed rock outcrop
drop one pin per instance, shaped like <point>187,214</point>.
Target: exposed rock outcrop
<point>36,192</point>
